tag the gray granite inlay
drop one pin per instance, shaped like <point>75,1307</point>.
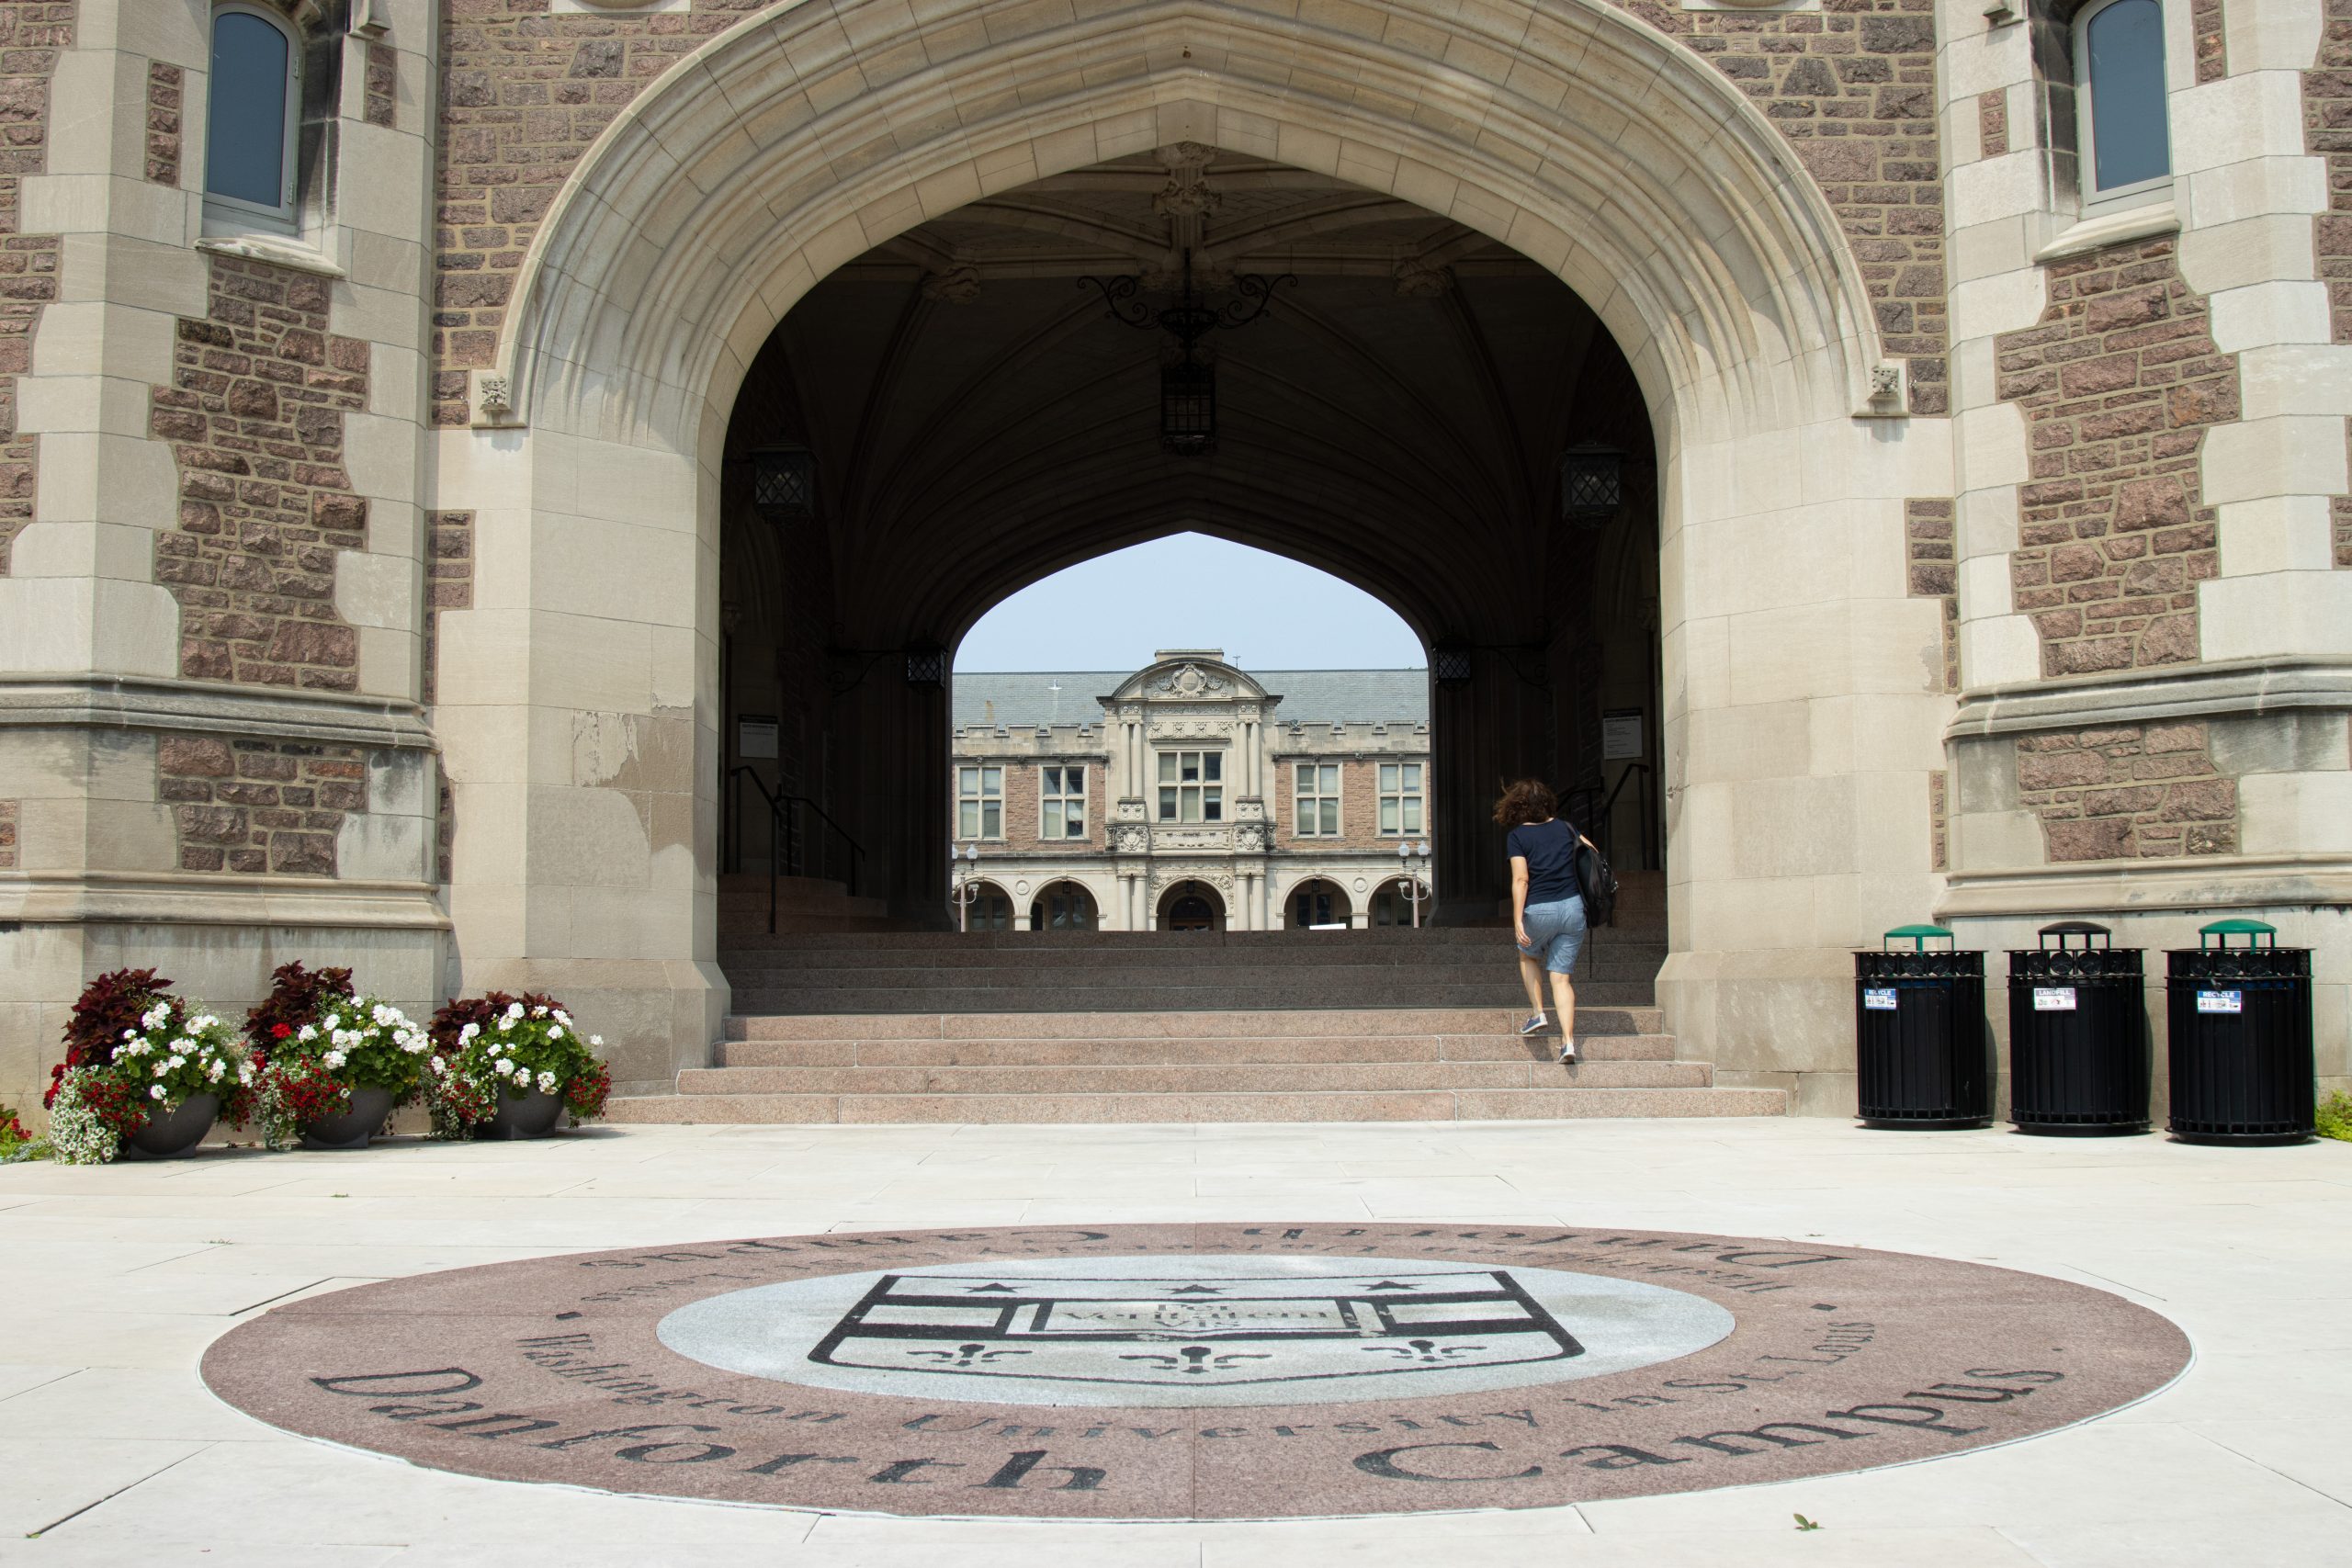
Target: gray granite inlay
<point>1192,1332</point>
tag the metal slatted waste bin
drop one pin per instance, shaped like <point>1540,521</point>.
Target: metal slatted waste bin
<point>1922,1056</point>
<point>2240,1022</point>
<point>2078,1034</point>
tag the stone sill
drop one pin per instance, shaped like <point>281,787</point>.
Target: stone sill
<point>2140,223</point>
<point>2184,883</point>
<point>266,248</point>
<point>2134,696</point>
<point>154,703</point>
<point>194,898</point>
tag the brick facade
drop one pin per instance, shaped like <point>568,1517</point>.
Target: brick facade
<point>254,415</point>
<point>2119,380</point>
<point>1024,803</point>
<point>2128,792</point>
<point>33,33</point>
<point>164,104</point>
<point>7,835</point>
<point>1359,803</point>
<point>259,805</point>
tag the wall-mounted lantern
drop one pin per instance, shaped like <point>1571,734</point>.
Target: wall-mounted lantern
<point>926,667</point>
<point>784,483</point>
<point>1592,482</point>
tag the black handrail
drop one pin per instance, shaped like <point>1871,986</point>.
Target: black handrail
<point>1596,813</point>
<point>784,834</point>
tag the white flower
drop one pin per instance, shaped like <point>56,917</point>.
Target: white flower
<point>154,1016</point>
<point>206,1022</point>
<point>245,1075</point>
<point>381,1013</point>
<point>563,1018</point>
<point>503,1065</point>
<point>334,1058</point>
<point>595,1039</point>
<point>555,1031</point>
<point>438,1064</point>
<point>162,1068</point>
<point>514,1009</point>
<point>177,1062</point>
<point>538,1012</point>
<point>547,1083</point>
<point>216,1069</point>
<point>131,1034</point>
<point>156,1092</point>
<point>504,1024</point>
<point>523,1076</point>
<point>308,1032</point>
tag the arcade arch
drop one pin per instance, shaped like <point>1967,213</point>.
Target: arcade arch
<point>1570,133</point>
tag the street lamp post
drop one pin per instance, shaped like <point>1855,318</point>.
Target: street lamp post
<point>1407,853</point>
<point>965,888</point>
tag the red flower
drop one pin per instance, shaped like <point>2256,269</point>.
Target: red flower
<point>281,1030</point>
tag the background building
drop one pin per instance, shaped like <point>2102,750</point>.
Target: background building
<point>1193,796</point>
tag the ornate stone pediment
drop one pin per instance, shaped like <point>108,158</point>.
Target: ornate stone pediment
<point>1188,676</point>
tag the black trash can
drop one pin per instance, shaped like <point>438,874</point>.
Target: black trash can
<point>2240,1020</point>
<point>1922,1057</point>
<point>2078,1034</point>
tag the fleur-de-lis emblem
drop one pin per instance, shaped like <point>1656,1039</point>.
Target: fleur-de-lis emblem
<point>1425,1351</point>
<point>1198,1358</point>
<point>964,1354</point>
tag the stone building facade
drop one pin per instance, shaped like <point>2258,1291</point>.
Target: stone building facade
<point>1198,795</point>
<point>383,574</point>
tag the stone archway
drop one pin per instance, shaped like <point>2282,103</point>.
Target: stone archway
<point>1799,744</point>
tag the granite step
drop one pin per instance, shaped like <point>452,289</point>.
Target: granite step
<point>1402,1105</point>
<point>1043,958</point>
<point>1178,946</point>
<point>1049,998</point>
<point>1170,1077</point>
<point>1110,977</point>
<point>1115,1052</point>
<point>1490,1022</point>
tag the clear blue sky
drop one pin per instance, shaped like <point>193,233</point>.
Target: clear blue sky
<point>1191,591</point>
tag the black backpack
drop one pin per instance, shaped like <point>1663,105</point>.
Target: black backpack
<point>1597,884</point>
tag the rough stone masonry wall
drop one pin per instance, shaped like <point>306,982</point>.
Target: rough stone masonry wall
<point>164,85</point>
<point>2128,792</point>
<point>2118,381</point>
<point>2327,133</point>
<point>255,416</point>
<point>259,805</point>
<point>33,33</point>
<point>524,93</point>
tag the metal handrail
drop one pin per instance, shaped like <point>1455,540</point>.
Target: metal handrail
<point>1601,820</point>
<point>784,833</point>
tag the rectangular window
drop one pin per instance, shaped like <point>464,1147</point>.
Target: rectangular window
<point>1315,805</point>
<point>1064,813</point>
<point>1400,797</point>
<point>1191,786</point>
<point>979,803</point>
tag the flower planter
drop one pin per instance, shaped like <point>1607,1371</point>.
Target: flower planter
<point>530,1115</point>
<point>354,1127</point>
<point>169,1133</point>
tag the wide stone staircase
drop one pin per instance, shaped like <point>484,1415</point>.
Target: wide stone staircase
<point>840,1017</point>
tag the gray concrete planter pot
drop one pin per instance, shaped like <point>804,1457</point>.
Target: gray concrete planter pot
<point>528,1115</point>
<point>354,1127</point>
<point>170,1133</point>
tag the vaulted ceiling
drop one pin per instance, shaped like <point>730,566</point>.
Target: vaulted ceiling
<point>1396,416</point>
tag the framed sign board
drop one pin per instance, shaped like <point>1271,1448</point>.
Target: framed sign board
<point>755,735</point>
<point>1621,735</point>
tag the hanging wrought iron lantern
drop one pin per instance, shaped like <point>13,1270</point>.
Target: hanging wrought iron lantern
<point>1592,482</point>
<point>926,666</point>
<point>1449,664</point>
<point>784,483</point>
<point>1187,408</point>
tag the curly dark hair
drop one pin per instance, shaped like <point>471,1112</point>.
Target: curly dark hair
<point>1529,800</point>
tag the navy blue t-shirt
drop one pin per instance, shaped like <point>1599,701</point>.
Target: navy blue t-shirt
<point>1550,851</point>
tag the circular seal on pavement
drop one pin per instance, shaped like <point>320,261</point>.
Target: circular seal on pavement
<point>1194,1371</point>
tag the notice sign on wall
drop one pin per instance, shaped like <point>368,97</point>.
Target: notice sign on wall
<point>1621,735</point>
<point>1878,999</point>
<point>2054,999</point>
<point>2221,1001</point>
<point>755,735</point>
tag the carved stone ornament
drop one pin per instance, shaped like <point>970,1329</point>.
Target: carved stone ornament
<point>958,284</point>
<point>1885,392</point>
<point>1186,194</point>
<point>1249,838</point>
<point>1419,279</point>
<point>1169,876</point>
<point>1193,682</point>
<point>494,401</point>
<point>1130,838</point>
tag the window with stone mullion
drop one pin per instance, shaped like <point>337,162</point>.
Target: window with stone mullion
<point>1400,798</point>
<point>1314,799</point>
<point>979,803</point>
<point>1191,786</point>
<point>1062,814</point>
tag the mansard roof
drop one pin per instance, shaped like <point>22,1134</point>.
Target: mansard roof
<point>1312,696</point>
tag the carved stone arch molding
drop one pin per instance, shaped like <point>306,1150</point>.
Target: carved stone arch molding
<point>1576,134</point>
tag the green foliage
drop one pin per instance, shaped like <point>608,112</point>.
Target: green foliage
<point>297,994</point>
<point>2335,1116</point>
<point>500,1045</point>
<point>1805,1524</point>
<point>16,1143</point>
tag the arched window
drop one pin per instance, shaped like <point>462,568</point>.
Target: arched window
<point>253,105</point>
<point>2120,81</point>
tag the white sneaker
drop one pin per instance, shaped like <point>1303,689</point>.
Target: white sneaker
<point>1536,1025</point>
<point>1567,1052</point>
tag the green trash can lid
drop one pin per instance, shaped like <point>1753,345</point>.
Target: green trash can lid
<point>2218,934</point>
<point>1916,935</point>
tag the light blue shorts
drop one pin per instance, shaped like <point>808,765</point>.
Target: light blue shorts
<point>1555,933</point>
